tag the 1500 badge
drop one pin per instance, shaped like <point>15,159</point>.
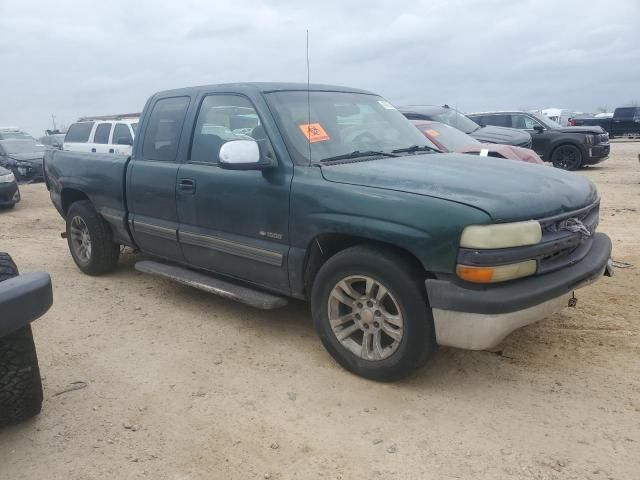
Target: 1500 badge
<point>277,236</point>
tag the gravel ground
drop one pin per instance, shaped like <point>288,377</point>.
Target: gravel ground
<point>184,385</point>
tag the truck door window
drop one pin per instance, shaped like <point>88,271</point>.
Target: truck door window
<point>524,122</point>
<point>121,133</point>
<point>102,133</point>
<point>79,132</point>
<point>222,118</point>
<point>163,131</point>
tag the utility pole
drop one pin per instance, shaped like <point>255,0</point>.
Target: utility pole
<point>53,118</point>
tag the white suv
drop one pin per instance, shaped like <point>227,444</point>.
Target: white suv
<point>101,136</point>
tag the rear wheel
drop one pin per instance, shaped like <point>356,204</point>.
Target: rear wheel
<point>90,240</point>
<point>20,384</point>
<point>371,312</point>
<point>567,157</point>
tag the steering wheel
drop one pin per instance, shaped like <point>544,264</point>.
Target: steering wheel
<point>365,140</point>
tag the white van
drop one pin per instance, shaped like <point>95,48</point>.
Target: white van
<point>101,136</point>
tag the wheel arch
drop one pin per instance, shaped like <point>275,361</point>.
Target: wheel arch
<point>325,245</point>
<point>69,196</point>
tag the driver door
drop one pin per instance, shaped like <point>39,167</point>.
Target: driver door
<point>233,222</point>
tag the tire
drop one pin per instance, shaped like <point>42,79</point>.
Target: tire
<point>412,338</point>
<point>7,207</point>
<point>20,384</point>
<point>567,157</point>
<point>90,240</point>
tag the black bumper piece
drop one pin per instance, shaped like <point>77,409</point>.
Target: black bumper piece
<point>520,294</point>
<point>24,299</point>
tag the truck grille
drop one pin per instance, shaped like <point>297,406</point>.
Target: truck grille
<point>571,236</point>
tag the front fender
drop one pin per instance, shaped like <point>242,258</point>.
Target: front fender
<point>24,299</point>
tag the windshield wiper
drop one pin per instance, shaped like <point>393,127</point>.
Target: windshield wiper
<point>416,148</point>
<point>359,154</point>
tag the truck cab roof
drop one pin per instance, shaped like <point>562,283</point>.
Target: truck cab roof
<point>260,87</point>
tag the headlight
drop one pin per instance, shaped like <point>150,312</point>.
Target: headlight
<point>498,273</point>
<point>501,235</point>
<point>9,178</point>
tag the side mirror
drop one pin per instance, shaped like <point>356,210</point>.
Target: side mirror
<point>124,141</point>
<point>243,155</point>
<point>538,128</point>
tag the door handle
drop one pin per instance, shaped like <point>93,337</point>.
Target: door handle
<point>187,185</point>
<point>93,150</point>
<point>111,150</point>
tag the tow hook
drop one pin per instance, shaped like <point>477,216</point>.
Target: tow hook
<point>573,301</point>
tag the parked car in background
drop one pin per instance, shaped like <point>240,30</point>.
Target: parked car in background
<point>23,299</point>
<point>625,121</point>
<point>484,134</point>
<point>23,157</point>
<point>258,192</point>
<point>55,140</point>
<point>9,191</point>
<point>101,136</point>
<point>448,139</point>
<point>568,148</point>
<point>9,133</point>
<point>559,115</point>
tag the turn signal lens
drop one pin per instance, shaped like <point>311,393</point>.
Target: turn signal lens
<point>496,274</point>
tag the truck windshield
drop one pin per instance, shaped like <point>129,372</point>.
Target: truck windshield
<point>322,125</point>
<point>21,146</point>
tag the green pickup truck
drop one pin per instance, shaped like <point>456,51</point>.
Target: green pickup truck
<point>263,191</point>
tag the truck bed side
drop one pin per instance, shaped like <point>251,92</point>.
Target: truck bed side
<point>99,178</point>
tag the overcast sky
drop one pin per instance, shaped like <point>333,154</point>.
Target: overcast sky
<point>76,58</point>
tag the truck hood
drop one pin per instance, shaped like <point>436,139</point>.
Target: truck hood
<point>583,129</point>
<point>506,190</point>
<point>504,135</point>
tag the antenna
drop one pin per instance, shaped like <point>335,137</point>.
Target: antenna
<point>308,101</point>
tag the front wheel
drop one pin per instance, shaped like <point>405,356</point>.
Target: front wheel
<point>371,312</point>
<point>567,157</point>
<point>90,240</point>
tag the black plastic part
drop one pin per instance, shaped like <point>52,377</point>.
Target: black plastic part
<point>520,294</point>
<point>217,286</point>
<point>23,299</point>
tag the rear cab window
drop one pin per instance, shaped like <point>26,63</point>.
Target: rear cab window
<point>79,132</point>
<point>626,113</point>
<point>162,134</point>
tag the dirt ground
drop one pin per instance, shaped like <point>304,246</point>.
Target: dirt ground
<point>184,385</point>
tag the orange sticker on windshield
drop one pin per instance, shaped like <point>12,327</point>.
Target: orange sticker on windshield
<point>314,132</point>
<point>432,132</point>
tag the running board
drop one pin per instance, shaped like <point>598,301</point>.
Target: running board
<point>201,281</point>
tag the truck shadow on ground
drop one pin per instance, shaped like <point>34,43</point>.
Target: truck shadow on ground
<point>531,349</point>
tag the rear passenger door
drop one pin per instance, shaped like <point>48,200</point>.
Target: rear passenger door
<point>151,182</point>
<point>101,136</point>
<point>231,221</point>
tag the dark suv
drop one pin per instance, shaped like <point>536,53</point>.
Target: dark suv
<point>568,148</point>
<point>453,118</point>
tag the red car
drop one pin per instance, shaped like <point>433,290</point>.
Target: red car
<point>449,139</point>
